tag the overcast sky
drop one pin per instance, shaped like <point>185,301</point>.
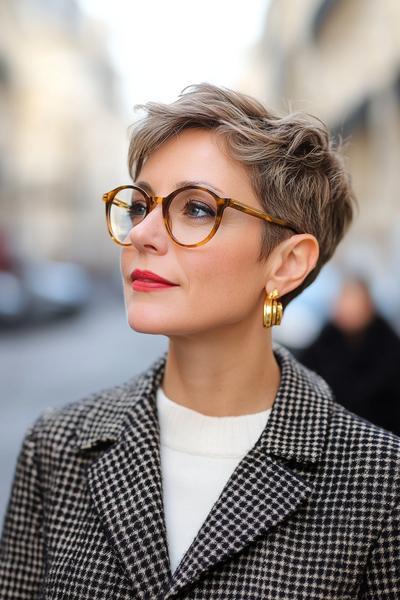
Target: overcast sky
<point>162,45</point>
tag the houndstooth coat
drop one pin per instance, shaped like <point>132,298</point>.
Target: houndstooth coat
<point>312,512</point>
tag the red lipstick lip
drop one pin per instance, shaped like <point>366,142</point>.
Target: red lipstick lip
<point>137,274</point>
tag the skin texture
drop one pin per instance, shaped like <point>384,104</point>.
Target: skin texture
<point>220,360</point>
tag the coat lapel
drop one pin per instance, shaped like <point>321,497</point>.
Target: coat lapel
<point>126,487</point>
<point>263,490</point>
<point>258,496</point>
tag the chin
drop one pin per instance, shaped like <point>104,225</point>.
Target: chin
<point>145,325</point>
<point>157,325</point>
<point>144,320</point>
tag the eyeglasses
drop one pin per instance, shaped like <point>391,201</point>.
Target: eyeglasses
<point>191,214</point>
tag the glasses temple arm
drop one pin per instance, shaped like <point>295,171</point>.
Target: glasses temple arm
<point>106,198</point>
<point>260,214</point>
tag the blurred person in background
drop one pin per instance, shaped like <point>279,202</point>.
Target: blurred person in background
<point>358,354</point>
<point>6,259</point>
<point>227,469</point>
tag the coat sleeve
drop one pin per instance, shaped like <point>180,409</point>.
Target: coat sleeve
<point>382,576</point>
<point>21,545</point>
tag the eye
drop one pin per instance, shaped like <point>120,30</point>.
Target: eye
<point>137,211</point>
<point>137,208</point>
<point>198,209</point>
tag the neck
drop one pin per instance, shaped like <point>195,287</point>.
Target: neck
<point>225,373</point>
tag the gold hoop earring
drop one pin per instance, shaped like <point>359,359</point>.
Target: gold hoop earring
<point>273,310</point>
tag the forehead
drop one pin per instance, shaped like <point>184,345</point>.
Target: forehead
<point>195,154</point>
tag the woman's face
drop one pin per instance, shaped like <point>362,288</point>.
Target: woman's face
<point>218,284</point>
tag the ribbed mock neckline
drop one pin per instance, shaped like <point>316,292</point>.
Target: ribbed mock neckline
<point>187,430</point>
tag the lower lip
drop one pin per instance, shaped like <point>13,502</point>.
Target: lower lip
<point>150,286</point>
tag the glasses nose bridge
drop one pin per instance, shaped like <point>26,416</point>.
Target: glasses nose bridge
<point>156,201</point>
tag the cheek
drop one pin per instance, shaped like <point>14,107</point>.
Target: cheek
<point>228,283</point>
<point>221,283</point>
<point>126,265</point>
<point>127,262</point>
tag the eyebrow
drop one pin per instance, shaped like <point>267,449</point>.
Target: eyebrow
<point>147,187</point>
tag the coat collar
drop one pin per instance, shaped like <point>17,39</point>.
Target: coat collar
<point>126,487</point>
<point>296,427</point>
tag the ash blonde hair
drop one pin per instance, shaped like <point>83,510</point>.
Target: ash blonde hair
<point>294,167</point>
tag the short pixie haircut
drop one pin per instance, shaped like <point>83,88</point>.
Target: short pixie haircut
<point>294,166</point>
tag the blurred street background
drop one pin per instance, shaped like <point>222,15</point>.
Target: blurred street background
<point>70,74</point>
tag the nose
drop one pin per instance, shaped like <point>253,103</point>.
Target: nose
<point>151,234</point>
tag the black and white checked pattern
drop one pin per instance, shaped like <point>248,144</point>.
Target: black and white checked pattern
<point>312,512</point>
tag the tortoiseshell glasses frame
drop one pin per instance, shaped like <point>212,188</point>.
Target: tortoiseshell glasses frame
<point>165,201</point>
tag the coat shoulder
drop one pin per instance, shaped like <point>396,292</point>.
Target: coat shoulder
<point>349,430</point>
<point>367,452</point>
<point>61,424</point>
<point>362,435</point>
<point>95,418</point>
<point>366,455</point>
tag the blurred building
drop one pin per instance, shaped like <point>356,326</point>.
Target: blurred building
<point>63,132</point>
<point>340,60</point>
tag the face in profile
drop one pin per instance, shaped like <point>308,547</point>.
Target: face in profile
<point>217,285</point>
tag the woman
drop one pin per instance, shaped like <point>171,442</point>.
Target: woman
<point>226,470</point>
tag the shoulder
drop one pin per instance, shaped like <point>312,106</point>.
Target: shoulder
<point>354,435</point>
<point>359,461</point>
<point>366,456</point>
<point>353,446</point>
<point>98,416</point>
<point>361,438</point>
<point>70,416</point>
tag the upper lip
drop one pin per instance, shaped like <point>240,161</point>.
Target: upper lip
<point>149,276</point>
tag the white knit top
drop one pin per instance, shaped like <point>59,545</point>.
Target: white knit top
<point>198,455</point>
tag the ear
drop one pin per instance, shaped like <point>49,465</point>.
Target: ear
<point>290,263</point>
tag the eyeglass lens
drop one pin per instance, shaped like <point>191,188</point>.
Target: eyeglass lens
<point>191,214</point>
